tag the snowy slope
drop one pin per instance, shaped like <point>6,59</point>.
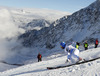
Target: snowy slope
<point>39,68</point>
<point>80,26</point>
<point>13,22</point>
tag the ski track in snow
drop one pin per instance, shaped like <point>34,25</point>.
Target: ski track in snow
<point>39,68</point>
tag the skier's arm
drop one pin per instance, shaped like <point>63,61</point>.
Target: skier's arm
<point>67,52</point>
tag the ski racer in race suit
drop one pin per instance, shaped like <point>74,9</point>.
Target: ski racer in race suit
<point>71,51</point>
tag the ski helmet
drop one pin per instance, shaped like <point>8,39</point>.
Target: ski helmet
<point>62,44</point>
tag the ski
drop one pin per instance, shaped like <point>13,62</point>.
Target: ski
<point>11,64</point>
<point>77,63</point>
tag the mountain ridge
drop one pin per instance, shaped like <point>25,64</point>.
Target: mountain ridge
<point>70,28</point>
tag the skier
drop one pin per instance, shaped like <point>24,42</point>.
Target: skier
<point>71,51</point>
<point>86,45</point>
<point>96,43</point>
<point>39,56</point>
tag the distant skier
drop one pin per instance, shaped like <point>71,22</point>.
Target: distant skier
<point>39,56</point>
<point>86,45</point>
<point>96,43</point>
<point>77,45</point>
<point>71,51</point>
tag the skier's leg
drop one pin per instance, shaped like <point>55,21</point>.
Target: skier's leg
<point>76,54</point>
<point>96,45</point>
<point>69,57</point>
<point>40,59</point>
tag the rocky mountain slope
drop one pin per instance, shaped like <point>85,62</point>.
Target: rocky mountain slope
<point>80,26</point>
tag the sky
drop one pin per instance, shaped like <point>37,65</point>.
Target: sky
<point>60,5</point>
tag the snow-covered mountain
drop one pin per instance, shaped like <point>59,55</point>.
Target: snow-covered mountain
<point>23,16</point>
<point>26,15</point>
<point>14,22</point>
<point>37,24</point>
<point>80,26</point>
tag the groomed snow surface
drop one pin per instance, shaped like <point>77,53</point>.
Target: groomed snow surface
<point>39,68</point>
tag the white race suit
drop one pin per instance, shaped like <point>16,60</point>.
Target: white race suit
<point>72,51</point>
